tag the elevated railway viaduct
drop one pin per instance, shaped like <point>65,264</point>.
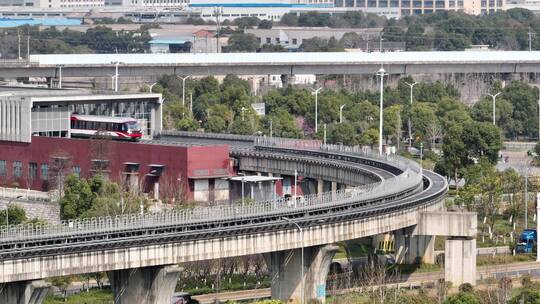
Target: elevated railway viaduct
<point>140,253</point>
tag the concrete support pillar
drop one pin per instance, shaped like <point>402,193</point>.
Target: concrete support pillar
<point>24,292</point>
<point>411,249</point>
<point>320,186</point>
<point>287,79</point>
<point>334,189</point>
<point>460,261</point>
<point>148,285</point>
<point>156,190</point>
<point>285,271</point>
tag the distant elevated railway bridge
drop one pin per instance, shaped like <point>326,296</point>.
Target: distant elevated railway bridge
<point>286,64</point>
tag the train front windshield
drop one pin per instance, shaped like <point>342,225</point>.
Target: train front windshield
<point>133,126</point>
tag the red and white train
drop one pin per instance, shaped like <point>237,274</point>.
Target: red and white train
<point>124,128</point>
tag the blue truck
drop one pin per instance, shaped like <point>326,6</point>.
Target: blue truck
<point>527,241</point>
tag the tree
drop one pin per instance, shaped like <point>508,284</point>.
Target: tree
<point>62,283</point>
<point>240,42</point>
<point>187,124</point>
<point>265,24</point>
<point>78,198</point>
<point>16,215</point>
<point>283,124</point>
<point>455,154</point>
<point>343,133</point>
<point>462,298</point>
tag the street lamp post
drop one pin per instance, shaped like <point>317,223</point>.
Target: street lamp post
<point>243,176</point>
<point>116,64</point>
<point>243,109</point>
<point>60,76</point>
<point>493,99</point>
<point>341,113</point>
<point>152,86</point>
<point>184,88</point>
<point>411,85</point>
<point>316,92</point>
<point>271,134</point>
<point>302,254</point>
<point>381,73</point>
<point>295,183</point>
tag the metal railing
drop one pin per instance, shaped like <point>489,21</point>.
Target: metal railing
<point>408,179</point>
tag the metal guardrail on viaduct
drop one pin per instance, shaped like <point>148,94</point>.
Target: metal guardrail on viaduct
<point>139,251</point>
<point>135,65</point>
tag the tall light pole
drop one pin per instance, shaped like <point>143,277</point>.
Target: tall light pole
<point>316,92</point>
<point>116,64</point>
<point>271,128</point>
<point>341,113</point>
<point>493,99</point>
<point>243,109</point>
<point>301,254</point>
<point>60,76</point>
<point>381,73</point>
<point>152,86</point>
<point>411,86</point>
<point>184,88</point>
<point>243,176</point>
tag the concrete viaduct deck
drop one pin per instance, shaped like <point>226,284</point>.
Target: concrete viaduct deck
<point>140,252</point>
<point>153,65</point>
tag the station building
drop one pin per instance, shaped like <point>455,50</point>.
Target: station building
<point>37,152</point>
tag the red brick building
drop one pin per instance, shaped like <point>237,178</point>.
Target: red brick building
<point>198,172</point>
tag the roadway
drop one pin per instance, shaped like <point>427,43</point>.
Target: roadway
<point>408,281</point>
<point>153,65</point>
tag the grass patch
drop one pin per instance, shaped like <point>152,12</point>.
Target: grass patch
<point>504,259</point>
<point>93,296</point>
<point>411,268</point>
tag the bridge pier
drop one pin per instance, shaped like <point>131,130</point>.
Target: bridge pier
<point>24,292</point>
<point>285,271</point>
<point>146,285</point>
<point>320,186</point>
<point>460,260</point>
<point>413,249</point>
<point>287,79</point>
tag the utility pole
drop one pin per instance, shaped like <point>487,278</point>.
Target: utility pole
<point>380,43</point>
<point>381,73</point>
<point>316,92</point>
<point>493,98</point>
<point>411,85</point>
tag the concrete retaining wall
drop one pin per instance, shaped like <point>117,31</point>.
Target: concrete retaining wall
<point>49,211</point>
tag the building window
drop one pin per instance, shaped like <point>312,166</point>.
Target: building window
<point>44,171</point>
<point>32,171</point>
<point>277,39</point>
<point>3,169</point>
<point>294,41</point>
<point>77,171</point>
<point>17,169</point>
<point>268,40</point>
